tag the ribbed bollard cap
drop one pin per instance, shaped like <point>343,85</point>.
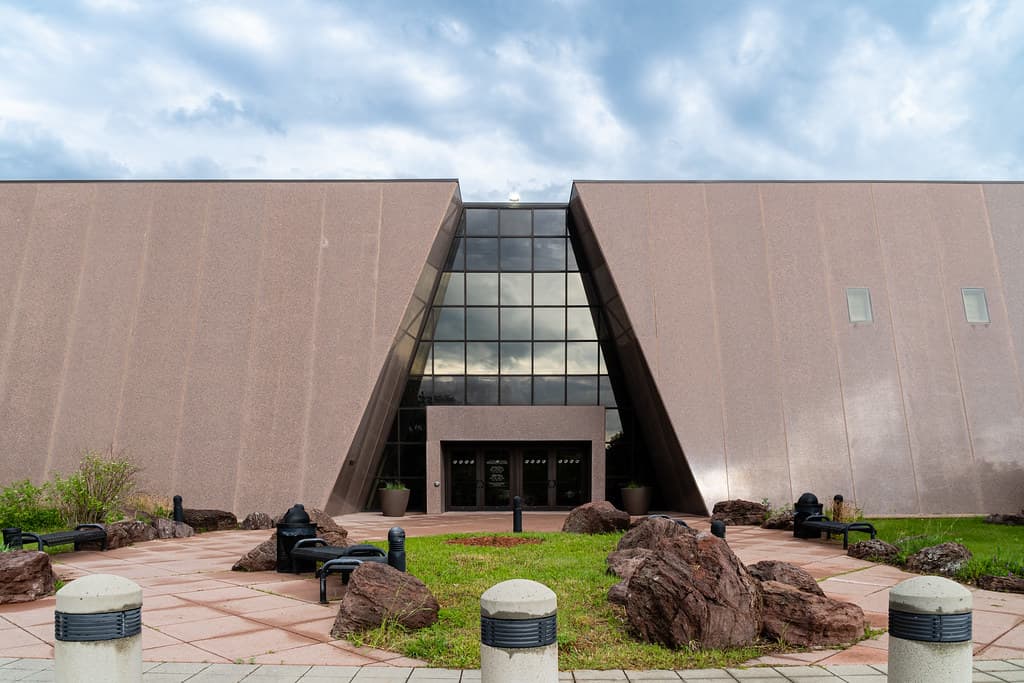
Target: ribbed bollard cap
<point>930,595</point>
<point>98,593</point>
<point>518,599</point>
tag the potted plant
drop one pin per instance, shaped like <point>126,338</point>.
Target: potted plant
<point>636,498</point>
<point>394,498</point>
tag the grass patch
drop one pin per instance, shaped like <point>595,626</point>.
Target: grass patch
<point>998,549</point>
<point>592,633</point>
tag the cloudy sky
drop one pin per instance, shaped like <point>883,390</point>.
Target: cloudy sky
<point>522,96</point>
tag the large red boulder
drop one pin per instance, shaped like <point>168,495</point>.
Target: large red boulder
<point>740,512</point>
<point>596,518</point>
<point>649,532</point>
<point>25,575</point>
<point>377,593</point>
<point>800,618</point>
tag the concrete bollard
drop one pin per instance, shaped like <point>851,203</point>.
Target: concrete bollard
<point>98,629</point>
<point>518,631</point>
<point>930,631</point>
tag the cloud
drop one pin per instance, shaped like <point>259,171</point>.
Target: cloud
<point>220,111</point>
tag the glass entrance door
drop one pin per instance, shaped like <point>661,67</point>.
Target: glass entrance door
<point>545,476</point>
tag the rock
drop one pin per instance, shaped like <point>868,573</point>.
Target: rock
<point>622,563</point>
<point>168,528</point>
<point>121,534</point>
<point>618,594</point>
<point>257,520</point>
<point>328,529</point>
<point>783,572</point>
<point>210,520</point>
<point>944,558</point>
<point>651,531</point>
<point>782,520</point>
<point>739,512</point>
<point>25,575</point>
<point>262,558</point>
<point>799,618</point>
<point>693,589</point>
<point>876,550</point>
<point>378,592</point>
<point>1004,584</point>
<point>596,518</point>
<point>1012,520</point>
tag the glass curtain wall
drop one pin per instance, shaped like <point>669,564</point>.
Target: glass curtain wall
<point>511,324</point>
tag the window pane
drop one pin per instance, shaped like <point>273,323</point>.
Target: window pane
<point>549,358</point>
<point>549,289</point>
<point>421,362</point>
<point>450,323</point>
<point>516,390</point>
<point>607,395</point>
<point>482,323</point>
<point>413,425</point>
<point>515,323</point>
<point>548,254</point>
<point>482,358</point>
<point>424,391</point>
<point>975,305</point>
<point>549,323</point>
<point>515,222</point>
<point>581,358</point>
<point>448,358</point>
<point>450,291</point>
<point>549,391</point>
<point>413,459</point>
<point>482,289</point>
<point>481,254</point>
<point>580,324</point>
<point>581,391</point>
<point>515,289</point>
<point>481,221</point>
<point>612,425</point>
<point>515,254</point>
<point>481,391</point>
<point>858,303</point>
<point>549,222</point>
<point>459,257</point>
<point>575,295</point>
<point>571,262</point>
<point>515,358</point>
<point>449,390</point>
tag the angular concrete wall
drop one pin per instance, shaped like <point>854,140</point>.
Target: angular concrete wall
<point>231,336</point>
<point>735,293</point>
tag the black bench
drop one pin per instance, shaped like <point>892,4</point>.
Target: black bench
<point>83,533</point>
<point>335,559</point>
<point>825,524</point>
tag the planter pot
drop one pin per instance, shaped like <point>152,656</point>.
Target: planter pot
<point>636,500</point>
<point>394,501</point>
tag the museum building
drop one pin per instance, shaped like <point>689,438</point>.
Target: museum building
<point>253,344</point>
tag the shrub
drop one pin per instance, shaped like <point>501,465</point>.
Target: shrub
<point>26,506</point>
<point>96,491</point>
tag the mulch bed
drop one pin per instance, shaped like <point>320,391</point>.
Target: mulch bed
<point>494,541</point>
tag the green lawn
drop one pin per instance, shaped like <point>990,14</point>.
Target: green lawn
<point>998,549</point>
<point>591,631</point>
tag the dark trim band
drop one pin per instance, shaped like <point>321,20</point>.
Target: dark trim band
<point>930,628</point>
<point>518,633</point>
<point>81,628</point>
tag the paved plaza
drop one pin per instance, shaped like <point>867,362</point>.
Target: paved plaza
<point>203,622</point>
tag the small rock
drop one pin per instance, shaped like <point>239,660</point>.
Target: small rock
<point>799,618</point>
<point>1004,584</point>
<point>875,550</point>
<point>945,558</point>
<point>25,575</point>
<point>378,592</point>
<point>596,518</point>
<point>622,563</point>
<point>257,520</point>
<point>168,528</point>
<point>651,531</point>
<point>210,520</point>
<point>783,520</point>
<point>1011,520</point>
<point>783,572</point>
<point>740,512</point>
<point>619,594</point>
<point>121,534</point>
<point>262,558</point>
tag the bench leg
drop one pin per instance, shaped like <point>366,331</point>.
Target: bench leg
<point>323,588</point>
<point>846,539</point>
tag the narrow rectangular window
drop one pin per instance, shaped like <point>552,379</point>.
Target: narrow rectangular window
<point>858,303</point>
<point>975,305</point>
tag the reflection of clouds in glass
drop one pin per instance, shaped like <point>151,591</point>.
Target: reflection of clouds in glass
<point>581,358</point>
<point>612,424</point>
<point>482,289</point>
<point>549,358</point>
<point>515,254</point>
<point>421,364</point>
<point>482,390</point>
<point>449,389</point>
<point>549,323</point>
<point>575,295</point>
<point>549,391</point>
<point>515,358</point>
<point>515,323</point>
<point>548,254</point>
<point>581,391</point>
<point>448,358</point>
<point>515,222</point>
<point>515,289</point>
<point>580,324</point>
<point>481,253</point>
<point>482,358</point>
<point>481,221</point>
<point>607,395</point>
<point>449,324</point>
<point>450,291</point>
<point>549,289</point>
<point>516,390</point>
<point>482,323</point>
<point>549,222</point>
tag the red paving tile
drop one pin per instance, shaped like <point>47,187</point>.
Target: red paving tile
<point>210,628</point>
<point>266,641</point>
<point>320,654</point>
<point>182,653</point>
<point>178,615</point>
<point>857,654</point>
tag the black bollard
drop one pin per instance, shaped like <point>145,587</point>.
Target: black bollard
<point>517,515</point>
<point>396,548</point>
<point>718,528</point>
<point>179,511</point>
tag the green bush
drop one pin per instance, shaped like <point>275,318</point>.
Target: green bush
<point>27,506</point>
<point>97,491</point>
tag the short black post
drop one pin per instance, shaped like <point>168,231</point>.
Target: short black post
<point>718,528</point>
<point>396,548</point>
<point>179,511</point>
<point>517,515</point>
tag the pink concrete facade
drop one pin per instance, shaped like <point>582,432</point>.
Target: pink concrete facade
<point>733,300</point>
